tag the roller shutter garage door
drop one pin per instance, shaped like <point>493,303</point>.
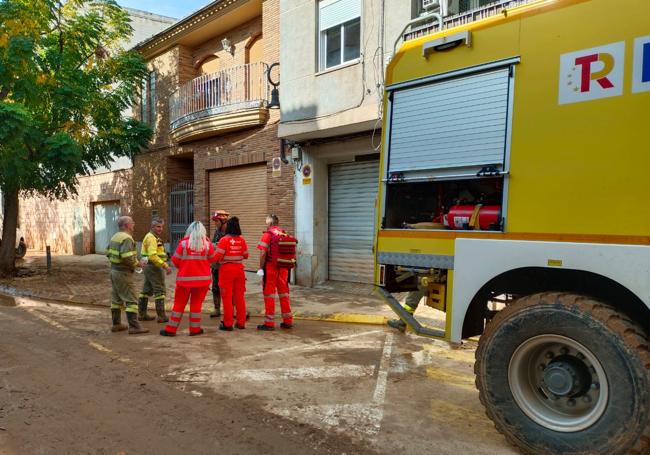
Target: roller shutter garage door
<point>242,192</point>
<point>352,192</point>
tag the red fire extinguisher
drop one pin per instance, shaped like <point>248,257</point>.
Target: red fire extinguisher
<point>479,217</point>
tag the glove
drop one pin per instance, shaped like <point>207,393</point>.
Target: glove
<point>260,272</point>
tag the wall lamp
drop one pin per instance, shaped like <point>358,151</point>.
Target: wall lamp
<point>227,46</point>
<point>291,152</point>
<point>275,93</point>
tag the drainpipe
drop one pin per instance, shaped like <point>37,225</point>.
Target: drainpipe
<point>421,18</point>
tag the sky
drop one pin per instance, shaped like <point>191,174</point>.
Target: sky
<point>171,8</point>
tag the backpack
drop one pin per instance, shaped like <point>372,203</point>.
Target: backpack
<point>282,250</point>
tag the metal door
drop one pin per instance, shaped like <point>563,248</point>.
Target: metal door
<point>242,191</point>
<point>352,193</point>
<point>181,211</point>
<point>105,224</point>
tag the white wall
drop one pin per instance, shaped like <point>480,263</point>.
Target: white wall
<point>311,205</point>
<point>339,101</point>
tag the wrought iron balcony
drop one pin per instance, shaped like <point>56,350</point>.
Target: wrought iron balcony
<point>464,17</point>
<point>220,102</point>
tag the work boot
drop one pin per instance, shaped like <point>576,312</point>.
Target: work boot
<point>224,327</point>
<point>216,300</point>
<point>134,325</point>
<point>200,332</point>
<point>397,324</point>
<point>284,325</point>
<point>116,313</point>
<point>160,311</point>
<point>142,310</point>
<point>265,328</point>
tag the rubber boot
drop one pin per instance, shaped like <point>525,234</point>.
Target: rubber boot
<point>216,300</point>
<point>160,311</point>
<point>116,313</point>
<point>134,325</point>
<point>142,310</point>
<point>397,324</point>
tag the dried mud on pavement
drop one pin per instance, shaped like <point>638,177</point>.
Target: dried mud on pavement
<point>69,385</point>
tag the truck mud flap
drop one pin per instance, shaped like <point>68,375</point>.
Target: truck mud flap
<point>408,318</point>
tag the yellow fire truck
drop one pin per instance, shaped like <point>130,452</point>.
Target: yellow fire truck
<point>514,194</point>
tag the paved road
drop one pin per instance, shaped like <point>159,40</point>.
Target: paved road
<point>68,385</point>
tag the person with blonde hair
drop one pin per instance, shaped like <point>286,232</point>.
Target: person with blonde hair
<point>193,257</point>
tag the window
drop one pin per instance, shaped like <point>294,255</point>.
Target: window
<point>148,99</point>
<point>339,32</point>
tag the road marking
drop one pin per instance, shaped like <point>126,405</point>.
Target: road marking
<point>279,374</point>
<point>112,354</point>
<point>320,345</point>
<point>382,377</point>
<point>42,317</point>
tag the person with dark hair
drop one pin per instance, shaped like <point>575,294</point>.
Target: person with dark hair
<point>231,252</point>
<point>220,217</point>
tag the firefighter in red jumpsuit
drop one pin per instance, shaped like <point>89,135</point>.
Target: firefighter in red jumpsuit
<point>276,279</point>
<point>231,252</point>
<point>193,257</point>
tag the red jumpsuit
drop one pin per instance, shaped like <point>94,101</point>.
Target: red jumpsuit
<point>231,252</point>
<point>192,281</point>
<point>275,279</point>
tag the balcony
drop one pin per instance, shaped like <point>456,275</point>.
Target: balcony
<point>466,16</point>
<point>220,102</point>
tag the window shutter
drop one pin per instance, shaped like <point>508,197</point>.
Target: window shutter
<point>337,12</point>
<point>456,123</point>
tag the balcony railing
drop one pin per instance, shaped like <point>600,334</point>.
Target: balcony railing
<point>466,17</point>
<point>238,88</point>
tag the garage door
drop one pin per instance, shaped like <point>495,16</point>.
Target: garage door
<point>352,192</point>
<point>242,192</point>
<point>105,216</point>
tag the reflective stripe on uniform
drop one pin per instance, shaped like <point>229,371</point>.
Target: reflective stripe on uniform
<point>195,315</point>
<point>286,315</point>
<point>268,296</point>
<point>283,295</point>
<point>263,244</point>
<point>409,309</point>
<point>233,258</point>
<point>173,323</point>
<point>219,250</point>
<point>128,254</point>
<point>176,314</point>
<point>193,278</point>
<point>191,258</point>
<point>195,324</point>
<point>269,318</point>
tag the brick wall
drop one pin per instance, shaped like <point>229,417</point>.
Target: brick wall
<point>239,37</point>
<point>241,148</point>
<point>150,190</point>
<point>67,226</point>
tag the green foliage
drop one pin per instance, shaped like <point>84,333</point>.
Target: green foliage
<point>64,86</point>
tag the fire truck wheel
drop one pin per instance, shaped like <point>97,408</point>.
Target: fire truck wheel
<point>566,374</point>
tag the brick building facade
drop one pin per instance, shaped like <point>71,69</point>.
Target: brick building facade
<point>213,128</point>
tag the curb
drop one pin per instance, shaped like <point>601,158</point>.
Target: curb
<point>7,300</point>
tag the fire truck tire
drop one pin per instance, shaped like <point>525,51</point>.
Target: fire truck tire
<point>565,374</point>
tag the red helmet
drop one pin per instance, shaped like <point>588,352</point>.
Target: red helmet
<point>220,215</point>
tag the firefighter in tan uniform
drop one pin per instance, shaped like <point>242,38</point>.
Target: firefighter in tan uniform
<point>122,254</point>
<point>153,253</point>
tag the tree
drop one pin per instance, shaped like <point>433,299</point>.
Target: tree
<point>64,85</point>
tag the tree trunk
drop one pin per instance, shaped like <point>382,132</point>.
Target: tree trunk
<point>9,224</point>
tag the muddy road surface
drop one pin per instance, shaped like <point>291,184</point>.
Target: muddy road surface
<point>69,385</point>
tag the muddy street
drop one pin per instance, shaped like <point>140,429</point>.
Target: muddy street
<point>69,385</point>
